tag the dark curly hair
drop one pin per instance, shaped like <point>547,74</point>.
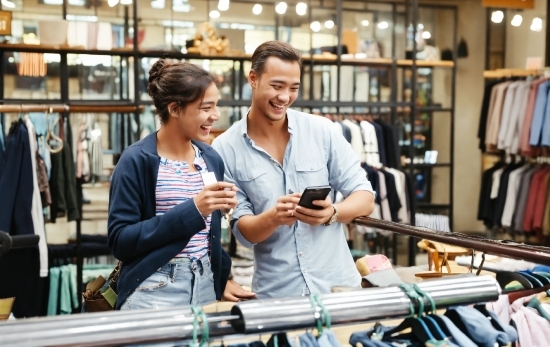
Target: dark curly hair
<point>173,81</point>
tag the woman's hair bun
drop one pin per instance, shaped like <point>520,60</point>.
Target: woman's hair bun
<point>157,67</point>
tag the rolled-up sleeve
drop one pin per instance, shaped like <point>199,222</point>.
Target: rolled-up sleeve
<point>345,172</point>
<point>244,206</point>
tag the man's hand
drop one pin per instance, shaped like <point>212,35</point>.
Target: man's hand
<point>316,217</point>
<point>284,212</point>
<point>234,292</point>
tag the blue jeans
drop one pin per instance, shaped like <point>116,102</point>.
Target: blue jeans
<point>180,282</point>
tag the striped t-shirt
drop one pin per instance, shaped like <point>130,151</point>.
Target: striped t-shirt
<point>175,184</point>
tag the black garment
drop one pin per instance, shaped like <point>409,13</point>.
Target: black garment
<point>16,184</point>
<point>372,176</point>
<point>484,114</point>
<point>485,210</point>
<point>390,144</point>
<point>20,278</point>
<point>346,131</point>
<point>63,185</point>
<point>393,197</point>
<point>502,192</point>
<point>381,143</point>
<point>409,190</point>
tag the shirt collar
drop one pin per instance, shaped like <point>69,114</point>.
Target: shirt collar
<point>290,114</point>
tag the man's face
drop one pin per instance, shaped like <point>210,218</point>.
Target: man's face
<point>276,88</point>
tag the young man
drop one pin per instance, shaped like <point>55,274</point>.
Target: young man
<point>272,155</point>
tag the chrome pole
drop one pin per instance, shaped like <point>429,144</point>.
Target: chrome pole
<point>251,317</point>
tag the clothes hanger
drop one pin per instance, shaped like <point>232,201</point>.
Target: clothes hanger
<point>535,303</point>
<point>418,327</point>
<point>542,279</point>
<point>432,323</point>
<point>198,312</point>
<point>50,135</point>
<point>505,277</point>
<point>534,281</point>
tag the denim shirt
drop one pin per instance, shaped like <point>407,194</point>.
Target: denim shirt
<point>298,259</point>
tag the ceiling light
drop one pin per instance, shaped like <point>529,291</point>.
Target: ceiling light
<point>223,5</point>
<point>536,25</point>
<point>383,25</point>
<point>112,3</point>
<point>156,4</point>
<point>125,2</point>
<point>281,8</point>
<point>497,16</point>
<point>301,9</point>
<point>214,14</point>
<point>426,35</point>
<point>257,9</point>
<point>329,24</point>
<point>420,26</point>
<point>181,6</point>
<point>365,23</point>
<point>315,26</point>
<point>8,4</point>
<point>516,21</point>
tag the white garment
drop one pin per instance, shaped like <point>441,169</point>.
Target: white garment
<point>104,37</point>
<point>77,34</point>
<point>511,139</point>
<point>372,155</point>
<point>356,139</point>
<point>400,178</point>
<point>512,195</point>
<point>36,207</point>
<point>510,108</point>
<point>496,263</point>
<point>496,183</point>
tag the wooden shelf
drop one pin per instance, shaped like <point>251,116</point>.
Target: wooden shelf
<point>426,63</point>
<point>20,47</point>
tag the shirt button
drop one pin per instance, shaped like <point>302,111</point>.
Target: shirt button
<point>304,270</point>
<point>298,234</point>
<point>137,279</point>
<point>301,254</point>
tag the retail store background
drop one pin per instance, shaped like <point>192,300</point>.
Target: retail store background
<point>521,42</point>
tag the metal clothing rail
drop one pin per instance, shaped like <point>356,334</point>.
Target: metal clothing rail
<point>251,317</point>
<point>505,248</point>
<point>57,108</point>
<point>8,242</point>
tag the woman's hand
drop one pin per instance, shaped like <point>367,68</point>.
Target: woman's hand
<point>217,196</point>
<point>234,292</point>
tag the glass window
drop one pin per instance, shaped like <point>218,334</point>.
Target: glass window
<point>31,76</point>
<point>97,77</point>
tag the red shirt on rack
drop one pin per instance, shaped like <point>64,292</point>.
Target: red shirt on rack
<point>533,199</point>
<point>540,203</point>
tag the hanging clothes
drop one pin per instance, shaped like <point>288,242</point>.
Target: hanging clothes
<point>36,207</point>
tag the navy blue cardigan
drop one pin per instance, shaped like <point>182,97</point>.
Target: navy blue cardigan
<point>143,241</point>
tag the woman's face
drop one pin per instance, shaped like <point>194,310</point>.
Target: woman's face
<point>196,120</point>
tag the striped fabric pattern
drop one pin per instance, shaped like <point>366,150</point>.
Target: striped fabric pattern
<point>175,184</point>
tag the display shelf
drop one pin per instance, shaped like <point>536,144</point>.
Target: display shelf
<point>427,205</point>
<point>19,47</point>
<point>426,63</point>
<point>429,165</point>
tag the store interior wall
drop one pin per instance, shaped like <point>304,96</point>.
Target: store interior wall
<point>469,94</point>
<point>522,42</point>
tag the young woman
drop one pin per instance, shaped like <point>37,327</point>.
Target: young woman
<point>165,199</point>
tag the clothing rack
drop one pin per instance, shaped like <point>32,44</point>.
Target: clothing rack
<point>505,248</point>
<point>503,73</point>
<point>8,242</point>
<point>251,317</point>
<point>66,109</point>
<point>72,108</point>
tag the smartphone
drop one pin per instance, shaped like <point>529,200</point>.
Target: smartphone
<point>311,194</point>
